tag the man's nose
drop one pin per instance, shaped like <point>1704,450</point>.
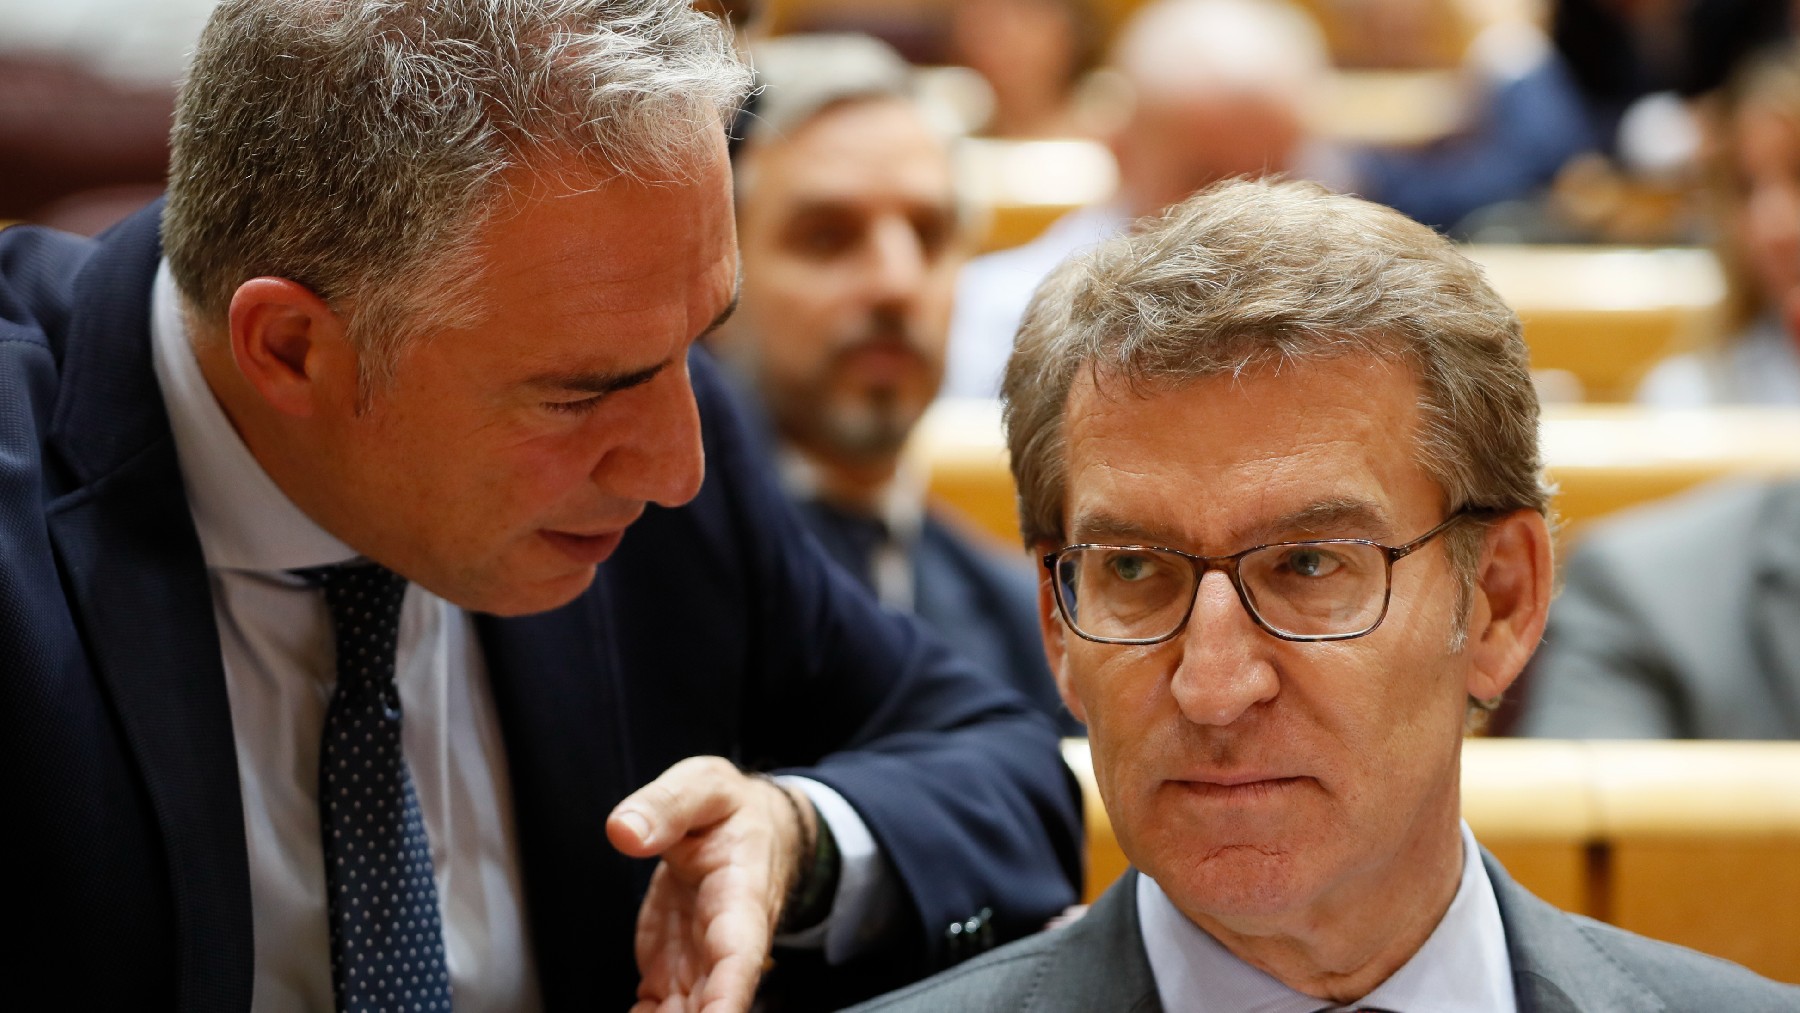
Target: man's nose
<point>1225,669</point>
<point>899,260</point>
<point>662,460</point>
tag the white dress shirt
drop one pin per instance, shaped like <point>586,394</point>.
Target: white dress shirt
<point>1462,968</point>
<point>276,642</point>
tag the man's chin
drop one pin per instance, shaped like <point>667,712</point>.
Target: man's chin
<point>513,597</point>
<point>1236,883</point>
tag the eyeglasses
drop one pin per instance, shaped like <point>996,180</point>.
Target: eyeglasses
<point>1332,589</point>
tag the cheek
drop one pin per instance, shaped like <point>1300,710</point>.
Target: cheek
<point>534,474</point>
<point>1129,709</point>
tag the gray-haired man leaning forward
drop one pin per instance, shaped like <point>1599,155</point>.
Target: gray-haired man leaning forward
<point>1279,452</point>
<point>369,638</point>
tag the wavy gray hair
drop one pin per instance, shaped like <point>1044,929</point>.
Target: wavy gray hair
<point>358,147</point>
<point>1250,273</point>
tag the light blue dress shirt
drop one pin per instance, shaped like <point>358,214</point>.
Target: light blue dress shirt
<point>1462,968</point>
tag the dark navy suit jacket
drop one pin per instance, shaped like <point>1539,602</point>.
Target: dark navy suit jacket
<point>715,629</point>
<point>969,595</point>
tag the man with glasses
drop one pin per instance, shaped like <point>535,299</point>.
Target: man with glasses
<point>1279,454</point>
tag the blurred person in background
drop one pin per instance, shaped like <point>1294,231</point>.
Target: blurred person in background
<point>1677,620</point>
<point>1754,174</point>
<point>1524,121</point>
<point>1218,88</point>
<point>1032,53</point>
<point>1624,51</point>
<point>852,235</point>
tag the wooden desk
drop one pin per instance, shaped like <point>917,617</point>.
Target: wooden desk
<point>1026,185</point>
<point>1604,457</point>
<point>1608,457</point>
<point>1606,314</point>
<point>1697,843</point>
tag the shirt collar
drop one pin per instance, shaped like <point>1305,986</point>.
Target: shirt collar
<point>1462,968</point>
<point>244,520</point>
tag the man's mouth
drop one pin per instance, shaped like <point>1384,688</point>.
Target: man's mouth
<point>1242,788</point>
<point>585,549</point>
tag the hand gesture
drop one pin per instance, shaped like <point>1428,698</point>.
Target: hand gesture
<point>730,845</point>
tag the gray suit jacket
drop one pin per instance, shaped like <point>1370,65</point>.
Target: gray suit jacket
<point>1679,620</point>
<point>1562,963</point>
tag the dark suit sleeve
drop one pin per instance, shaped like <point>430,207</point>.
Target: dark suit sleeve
<point>959,781</point>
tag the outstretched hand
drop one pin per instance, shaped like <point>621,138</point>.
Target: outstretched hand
<point>730,847</point>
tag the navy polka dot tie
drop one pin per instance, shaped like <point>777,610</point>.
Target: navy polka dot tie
<point>387,939</point>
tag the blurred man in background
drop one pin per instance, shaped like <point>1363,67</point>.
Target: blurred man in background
<point>852,235</point>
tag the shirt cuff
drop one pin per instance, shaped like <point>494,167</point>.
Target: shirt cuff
<point>867,895</point>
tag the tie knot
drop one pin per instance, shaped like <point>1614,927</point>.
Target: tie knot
<point>368,587</point>
<point>365,600</point>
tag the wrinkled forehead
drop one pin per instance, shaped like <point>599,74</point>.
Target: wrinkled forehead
<point>1280,449</point>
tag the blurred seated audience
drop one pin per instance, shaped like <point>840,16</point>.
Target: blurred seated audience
<point>852,235</point>
<point>1525,121</point>
<point>1677,620</point>
<point>1218,88</point>
<point>1032,54</point>
<point>1624,51</point>
<point>1754,163</point>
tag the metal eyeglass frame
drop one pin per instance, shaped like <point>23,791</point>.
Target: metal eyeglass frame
<point>1229,564</point>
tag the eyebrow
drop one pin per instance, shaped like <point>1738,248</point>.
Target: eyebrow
<point>597,384</point>
<point>1322,518</point>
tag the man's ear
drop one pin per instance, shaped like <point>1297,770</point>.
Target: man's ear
<point>285,340</point>
<point>1513,586</point>
<point>1050,625</point>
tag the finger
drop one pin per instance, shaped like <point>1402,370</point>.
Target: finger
<point>731,985</point>
<point>696,792</point>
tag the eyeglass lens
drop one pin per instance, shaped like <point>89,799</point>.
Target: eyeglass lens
<point>1304,589</point>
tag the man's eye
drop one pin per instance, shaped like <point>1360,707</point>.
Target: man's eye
<point>581,407</point>
<point>1310,562</point>
<point>825,239</point>
<point>1130,567</point>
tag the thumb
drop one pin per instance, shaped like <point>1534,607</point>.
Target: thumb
<point>692,794</point>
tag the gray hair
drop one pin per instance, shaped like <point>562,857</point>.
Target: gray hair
<point>1247,274</point>
<point>358,147</point>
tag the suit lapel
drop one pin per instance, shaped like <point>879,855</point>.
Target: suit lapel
<point>1100,963</point>
<point>1775,602</point>
<point>137,584</point>
<point>1556,968</point>
<point>562,710</point>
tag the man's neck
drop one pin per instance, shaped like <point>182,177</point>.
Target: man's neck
<point>1352,940</point>
<point>861,487</point>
